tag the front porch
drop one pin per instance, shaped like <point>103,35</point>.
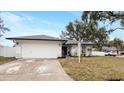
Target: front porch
<point>72,50</point>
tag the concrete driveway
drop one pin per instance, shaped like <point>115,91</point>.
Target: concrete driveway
<point>33,69</point>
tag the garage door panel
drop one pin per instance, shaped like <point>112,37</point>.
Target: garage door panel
<point>39,50</point>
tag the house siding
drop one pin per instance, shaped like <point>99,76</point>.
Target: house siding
<point>74,50</point>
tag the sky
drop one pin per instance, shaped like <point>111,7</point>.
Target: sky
<point>39,23</point>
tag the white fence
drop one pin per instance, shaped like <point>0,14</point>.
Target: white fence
<point>7,51</point>
<point>98,53</point>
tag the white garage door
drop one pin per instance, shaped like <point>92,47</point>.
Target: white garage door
<point>42,50</point>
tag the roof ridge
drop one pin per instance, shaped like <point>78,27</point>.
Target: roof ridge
<point>36,37</point>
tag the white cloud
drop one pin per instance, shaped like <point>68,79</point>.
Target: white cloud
<point>17,23</point>
<point>18,27</point>
<point>11,19</point>
<point>43,21</point>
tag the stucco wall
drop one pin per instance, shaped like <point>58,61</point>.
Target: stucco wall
<point>74,50</point>
<point>39,49</point>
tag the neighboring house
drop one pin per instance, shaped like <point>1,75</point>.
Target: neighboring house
<point>7,51</point>
<point>71,48</point>
<point>38,46</point>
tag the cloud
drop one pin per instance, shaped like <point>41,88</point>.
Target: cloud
<point>26,24</point>
<point>22,25</point>
<point>11,19</point>
<point>36,20</point>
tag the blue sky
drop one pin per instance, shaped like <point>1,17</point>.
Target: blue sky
<point>38,23</point>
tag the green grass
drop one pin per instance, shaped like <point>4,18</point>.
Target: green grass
<point>6,59</point>
<point>94,68</point>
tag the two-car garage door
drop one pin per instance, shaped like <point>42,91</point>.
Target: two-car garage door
<point>41,50</point>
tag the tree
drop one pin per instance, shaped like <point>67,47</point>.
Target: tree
<point>118,43</point>
<point>3,29</point>
<point>90,28</point>
<point>75,30</point>
<point>86,30</point>
<point>101,38</point>
<point>105,16</point>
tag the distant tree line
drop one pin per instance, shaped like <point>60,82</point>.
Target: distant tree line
<point>118,43</point>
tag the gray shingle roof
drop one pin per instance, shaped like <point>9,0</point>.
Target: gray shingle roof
<point>36,37</point>
<point>74,42</point>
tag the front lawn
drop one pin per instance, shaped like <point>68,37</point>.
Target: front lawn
<point>6,59</point>
<point>94,68</point>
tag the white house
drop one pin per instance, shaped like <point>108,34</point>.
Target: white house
<point>71,48</point>
<point>38,46</point>
<point>42,46</point>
